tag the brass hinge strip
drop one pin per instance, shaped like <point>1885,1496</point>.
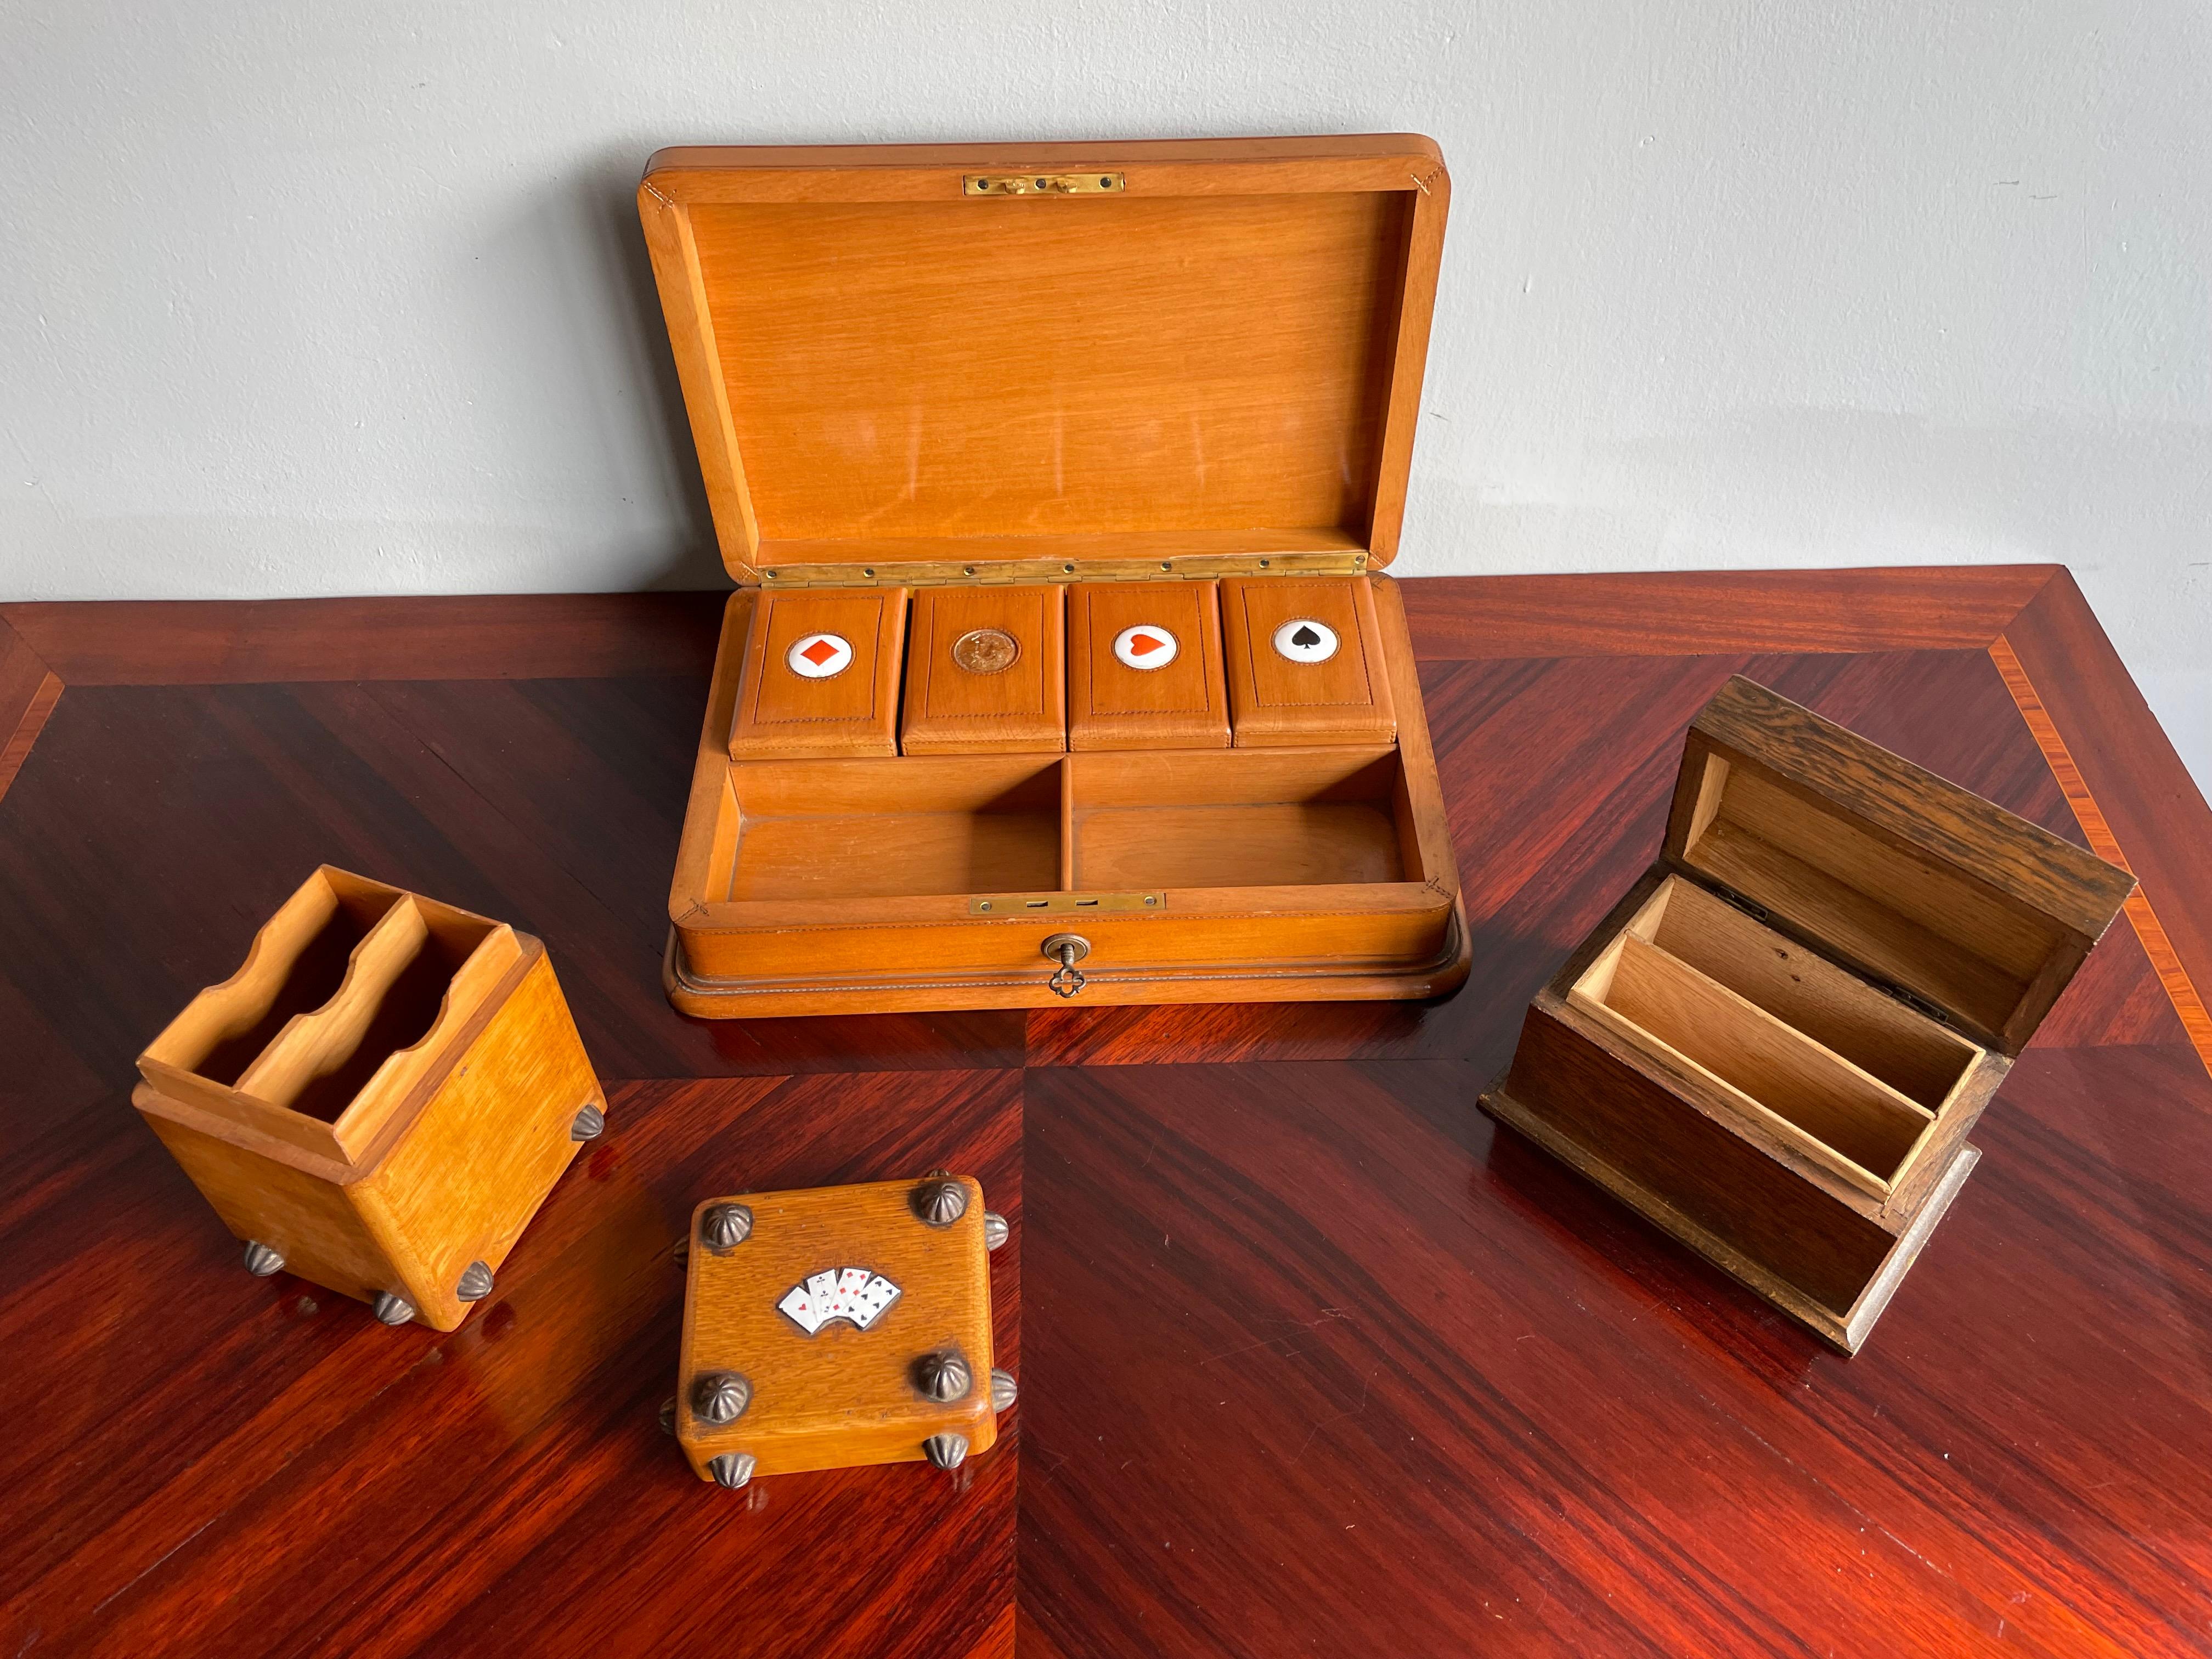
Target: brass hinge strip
<point>1000,573</point>
<point>1896,992</point>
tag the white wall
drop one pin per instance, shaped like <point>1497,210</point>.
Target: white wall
<point>350,298</point>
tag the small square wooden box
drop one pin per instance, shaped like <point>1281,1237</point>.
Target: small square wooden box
<point>839,1325</point>
<point>381,1098</point>
<point>965,372</point>
<point>1774,1045</point>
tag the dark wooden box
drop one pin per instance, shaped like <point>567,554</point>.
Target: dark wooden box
<point>1774,1045</point>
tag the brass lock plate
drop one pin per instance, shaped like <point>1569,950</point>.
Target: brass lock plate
<point>1054,904</point>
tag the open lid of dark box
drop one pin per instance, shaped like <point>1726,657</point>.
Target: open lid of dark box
<point>1973,915</point>
<point>1027,361</point>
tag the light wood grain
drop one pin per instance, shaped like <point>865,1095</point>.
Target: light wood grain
<point>1835,1112</point>
<point>845,831</point>
<point>855,712</point>
<point>1908,1051</point>
<point>1273,701</point>
<point>843,1396</point>
<point>808,886</point>
<point>1111,706</point>
<point>868,354</point>
<point>488,1144</point>
<point>1023,708</point>
<point>408,1124</point>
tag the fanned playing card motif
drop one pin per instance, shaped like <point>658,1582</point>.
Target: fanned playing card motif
<point>852,1294</point>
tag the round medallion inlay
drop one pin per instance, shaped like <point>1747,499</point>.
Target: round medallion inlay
<point>986,650</point>
<point>818,656</point>
<point>1303,640</point>
<point>1145,646</point>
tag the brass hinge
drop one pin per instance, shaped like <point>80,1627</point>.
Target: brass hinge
<point>1918,1003</point>
<point>1043,183</point>
<point>1755,911</point>
<point>1054,904</point>
<point>1004,573</point>
<point>1896,992</point>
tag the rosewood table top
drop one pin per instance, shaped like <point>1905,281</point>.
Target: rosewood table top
<point>1314,1358</point>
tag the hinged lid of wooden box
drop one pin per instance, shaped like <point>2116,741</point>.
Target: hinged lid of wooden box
<point>1016,362</point>
<point>1976,916</point>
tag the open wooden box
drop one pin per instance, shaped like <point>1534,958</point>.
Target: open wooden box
<point>379,1098</point>
<point>1036,367</point>
<point>1776,1044</point>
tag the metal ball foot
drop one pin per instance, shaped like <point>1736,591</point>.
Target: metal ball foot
<point>719,1397</point>
<point>732,1469</point>
<point>723,1227</point>
<point>588,1123</point>
<point>940,1200</point>
<point>947,1451</point>
<point>476,1283</point>
<point>944,1376</point>
<point>1002,1390</point>
<point>391,1309</point>
<point>261,1261</point>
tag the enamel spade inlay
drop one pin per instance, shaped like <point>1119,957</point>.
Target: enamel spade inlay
<point>1303,640</point>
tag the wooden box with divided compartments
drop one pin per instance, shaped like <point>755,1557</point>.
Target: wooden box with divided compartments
<point>379,1098</point>
<point>1058,480</point>
<point>1774,1045</point>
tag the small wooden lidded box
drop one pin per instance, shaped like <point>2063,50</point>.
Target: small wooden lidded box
<point>380,1099</point>
<point>839,1325</point>
<point>1776,1045</point>
<point>822,674</point>
<point>1306,664</point>
<point>1144,666</point>
<point>1046,389</point>
<point>987,674</point>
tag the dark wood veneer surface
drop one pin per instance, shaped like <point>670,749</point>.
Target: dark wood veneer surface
<point>1314,1357</point>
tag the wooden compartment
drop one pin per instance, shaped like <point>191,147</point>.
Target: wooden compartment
<point>1924,1061</point>
<point>1775,1046</point>
<point>1293,818</point>
<point>1774,1074</point>
<point>831,829</point>
<point>1098,401</point>
<point>380,1096</point>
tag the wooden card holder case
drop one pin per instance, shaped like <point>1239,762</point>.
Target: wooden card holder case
<point>380,1099</point>
<point>839,1325</point>
<point>1012,381</point>
<point>1180,700</point>
<point>1774,1045</point>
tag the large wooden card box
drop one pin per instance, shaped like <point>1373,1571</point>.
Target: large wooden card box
<point>380,1099</point>
<point>1039,367</point>
<point>1776,1044</point>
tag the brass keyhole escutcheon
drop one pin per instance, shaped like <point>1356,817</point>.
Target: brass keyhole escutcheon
<point>1067,949</point>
